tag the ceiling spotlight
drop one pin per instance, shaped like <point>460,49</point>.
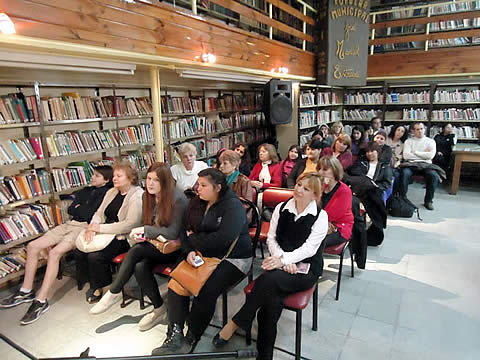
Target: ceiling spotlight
<point>6,25</point>
<point>210,58</point>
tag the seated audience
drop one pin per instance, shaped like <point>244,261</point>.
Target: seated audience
<point>336,201</point>
<point>321,134</point>
<point>341,150</point>
<point>294,155</point>
<point>216,224</point>
<point>445,141</point>
<point>418,153</point>
<point>119,212</point>
<point>375,125</point>
<point>164,209</point>
<point>59,240</point>
<point>239,183</point>
<point>359,140</point>
<point>185,172</point>
<point>295,241</point>
<point>267,171</point>
<point>246,164</point>
<point>309,164</point>
<point>336,130</point>
<point>385,154</point>
<point>397,137</point>
<point>369,178</point>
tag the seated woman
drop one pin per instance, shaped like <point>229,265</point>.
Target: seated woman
<point>164,209</point>
<point>239,183</point>
<point>369,179</point>
<point>336,200</point>
<point>119,212</point>
<point>309,164</point>
<point>185,173</point>
<point>385,151</point>
<point>341,150</point>
<point>216,221</point>
<point>246,164</point>
<point>445,141</point>
<point>294,155</point>
<point>395,140</point>
<point>359,140</point>
<point>295,241</point>
<point>61,240</point>
<point>336,130</point>
<point>267,171</point>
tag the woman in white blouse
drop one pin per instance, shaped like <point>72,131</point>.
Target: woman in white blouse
<point>186,172</point>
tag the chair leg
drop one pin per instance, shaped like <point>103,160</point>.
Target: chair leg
<point>142,300</point>
<point>351,258</point>
<point>124,299</point>
<point>315,309</point>
<point>261,250</point>
<point>339,277</point>
<point>248,337</point>
<point>224,308</point>
<point>298,335</point>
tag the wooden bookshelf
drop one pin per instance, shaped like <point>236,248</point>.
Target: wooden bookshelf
<point>21,241</point>
<point>18,274</point>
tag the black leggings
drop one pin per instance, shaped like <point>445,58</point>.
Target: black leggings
<point>267,298</point>
<point>203,306</point>
<point>141,259</point>
<point>95,267</point>
<point>334,239</point>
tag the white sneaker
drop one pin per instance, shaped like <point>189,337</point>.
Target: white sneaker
<point>105,303</point>
<point>152,318</point>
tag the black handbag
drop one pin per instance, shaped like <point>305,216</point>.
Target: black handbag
<point>399,206</point>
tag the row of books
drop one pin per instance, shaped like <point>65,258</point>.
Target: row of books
<point>141,160</point>
<point>455,7</point>
<point>12,262</point>
<point>216,124</point>
<point>461,132</point>
<point>358,114</point>
<point>20,150</point>
<point>414,114</point>
<point>215,144</point>
<point>322,98</point>
<point>190,126</point>
<point>69,177</point>
<point>25,221</point>
<point>248,120</point>
<point>196,104</point>
<point>399,30</point>
<point>25,185</point>
<point>455,24</point>
<point>450,42</point>
<point>16,108</point>
<point>313,118</point>
<point>363,98</point>
<point>456,114</point>
<point>182,104</point>
<point>456,96</point>
<point>401,14</point>
<point>421,97</point>
<point>76,142</point>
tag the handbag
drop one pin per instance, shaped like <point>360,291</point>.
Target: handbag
<point>165,246</point>
<point>99,242</point>
<point>192,278</point>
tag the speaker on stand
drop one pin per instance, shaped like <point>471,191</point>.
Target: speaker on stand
<point>278,101</point>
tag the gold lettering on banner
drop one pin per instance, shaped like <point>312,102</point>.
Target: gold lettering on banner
<point>348,28</point>
<point>339,73</point>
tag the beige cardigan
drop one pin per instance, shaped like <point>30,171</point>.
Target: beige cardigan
<point>129,215</point>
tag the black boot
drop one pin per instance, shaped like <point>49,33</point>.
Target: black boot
<point>191,340</point>
<point>174,343</point>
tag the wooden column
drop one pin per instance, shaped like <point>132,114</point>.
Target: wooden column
<point>157,113</point>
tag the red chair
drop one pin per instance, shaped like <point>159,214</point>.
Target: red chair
<point>295,302</point>
<point>271,198</point>
<point>339,250</point>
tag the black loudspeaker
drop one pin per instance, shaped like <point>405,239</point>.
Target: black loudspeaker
<point>278,101</point>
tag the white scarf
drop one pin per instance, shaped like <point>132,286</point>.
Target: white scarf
<point>264,175</point>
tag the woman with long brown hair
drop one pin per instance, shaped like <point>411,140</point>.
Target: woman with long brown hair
<point>164,208</point>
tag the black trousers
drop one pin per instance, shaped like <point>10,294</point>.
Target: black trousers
<point>334,239</point>
<point>141,259</point>
<point>203,306</point>
<point>95,267</point>
<point>267,298</point>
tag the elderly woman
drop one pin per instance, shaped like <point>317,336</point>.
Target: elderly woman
<point>341,150</point>
<point>239,183</point>
<point>267,171</point>
<point>186,172</point>
<point>119,212</point>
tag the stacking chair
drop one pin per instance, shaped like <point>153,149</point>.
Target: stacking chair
<point>339,250</point>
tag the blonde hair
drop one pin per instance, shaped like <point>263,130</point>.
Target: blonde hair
<point>232,157</point>
<point>337,123</point>
<point>315,182</point>
<point>272,152</point>
<point>331,162</point>
<point>129,170</point>
<point>344,139</point>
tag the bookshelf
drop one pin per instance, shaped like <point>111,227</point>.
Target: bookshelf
<point>317,105</point>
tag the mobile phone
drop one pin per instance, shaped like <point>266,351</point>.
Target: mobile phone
<point>141,237</point>
<point>198,261</point>
<point>302,268</point>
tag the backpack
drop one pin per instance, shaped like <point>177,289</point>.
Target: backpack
<point>399,206</point>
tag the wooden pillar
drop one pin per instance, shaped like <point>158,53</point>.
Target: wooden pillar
<point>157,112</point>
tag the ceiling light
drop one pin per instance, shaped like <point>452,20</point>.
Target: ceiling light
<point>6,25</point>
<point>210,58</point>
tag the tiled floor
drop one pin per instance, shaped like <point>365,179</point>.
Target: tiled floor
<point>417,299</point>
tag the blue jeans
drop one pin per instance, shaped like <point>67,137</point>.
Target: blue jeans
<point>432,179</point>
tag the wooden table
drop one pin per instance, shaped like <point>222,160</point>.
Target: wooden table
<point>463,153</point>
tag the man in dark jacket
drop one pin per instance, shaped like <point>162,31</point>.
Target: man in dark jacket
<point>61,240</point>
<point>445,141</point>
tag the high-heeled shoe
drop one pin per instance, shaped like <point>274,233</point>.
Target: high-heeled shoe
<point>92,298</point>
<point>218,341</point>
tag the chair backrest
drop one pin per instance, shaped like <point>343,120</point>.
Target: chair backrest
<point>253,215</point>
<point>274,196</point>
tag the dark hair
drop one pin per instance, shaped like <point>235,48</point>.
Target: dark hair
<point>318,131</point>
<point>444,126</point>
<point>391,135</point>
<point>106,171</point>
<point>373,146</point>
<point>315,144</point>
<point>215,177</point>
<point>166,198</point>
<point>416,123</point>
<point>363,135</point>
<point>375,118</point>
<point>299,151</point>
<point>245,159</point>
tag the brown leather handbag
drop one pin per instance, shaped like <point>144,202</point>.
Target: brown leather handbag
<point>165,247</point>
<point>193,278</point>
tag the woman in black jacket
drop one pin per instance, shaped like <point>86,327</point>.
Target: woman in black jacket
<point>369,178</point>
<point>215,219</point>
<point>309,164</point>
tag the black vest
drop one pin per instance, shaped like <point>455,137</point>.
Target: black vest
<point>292,234</point>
